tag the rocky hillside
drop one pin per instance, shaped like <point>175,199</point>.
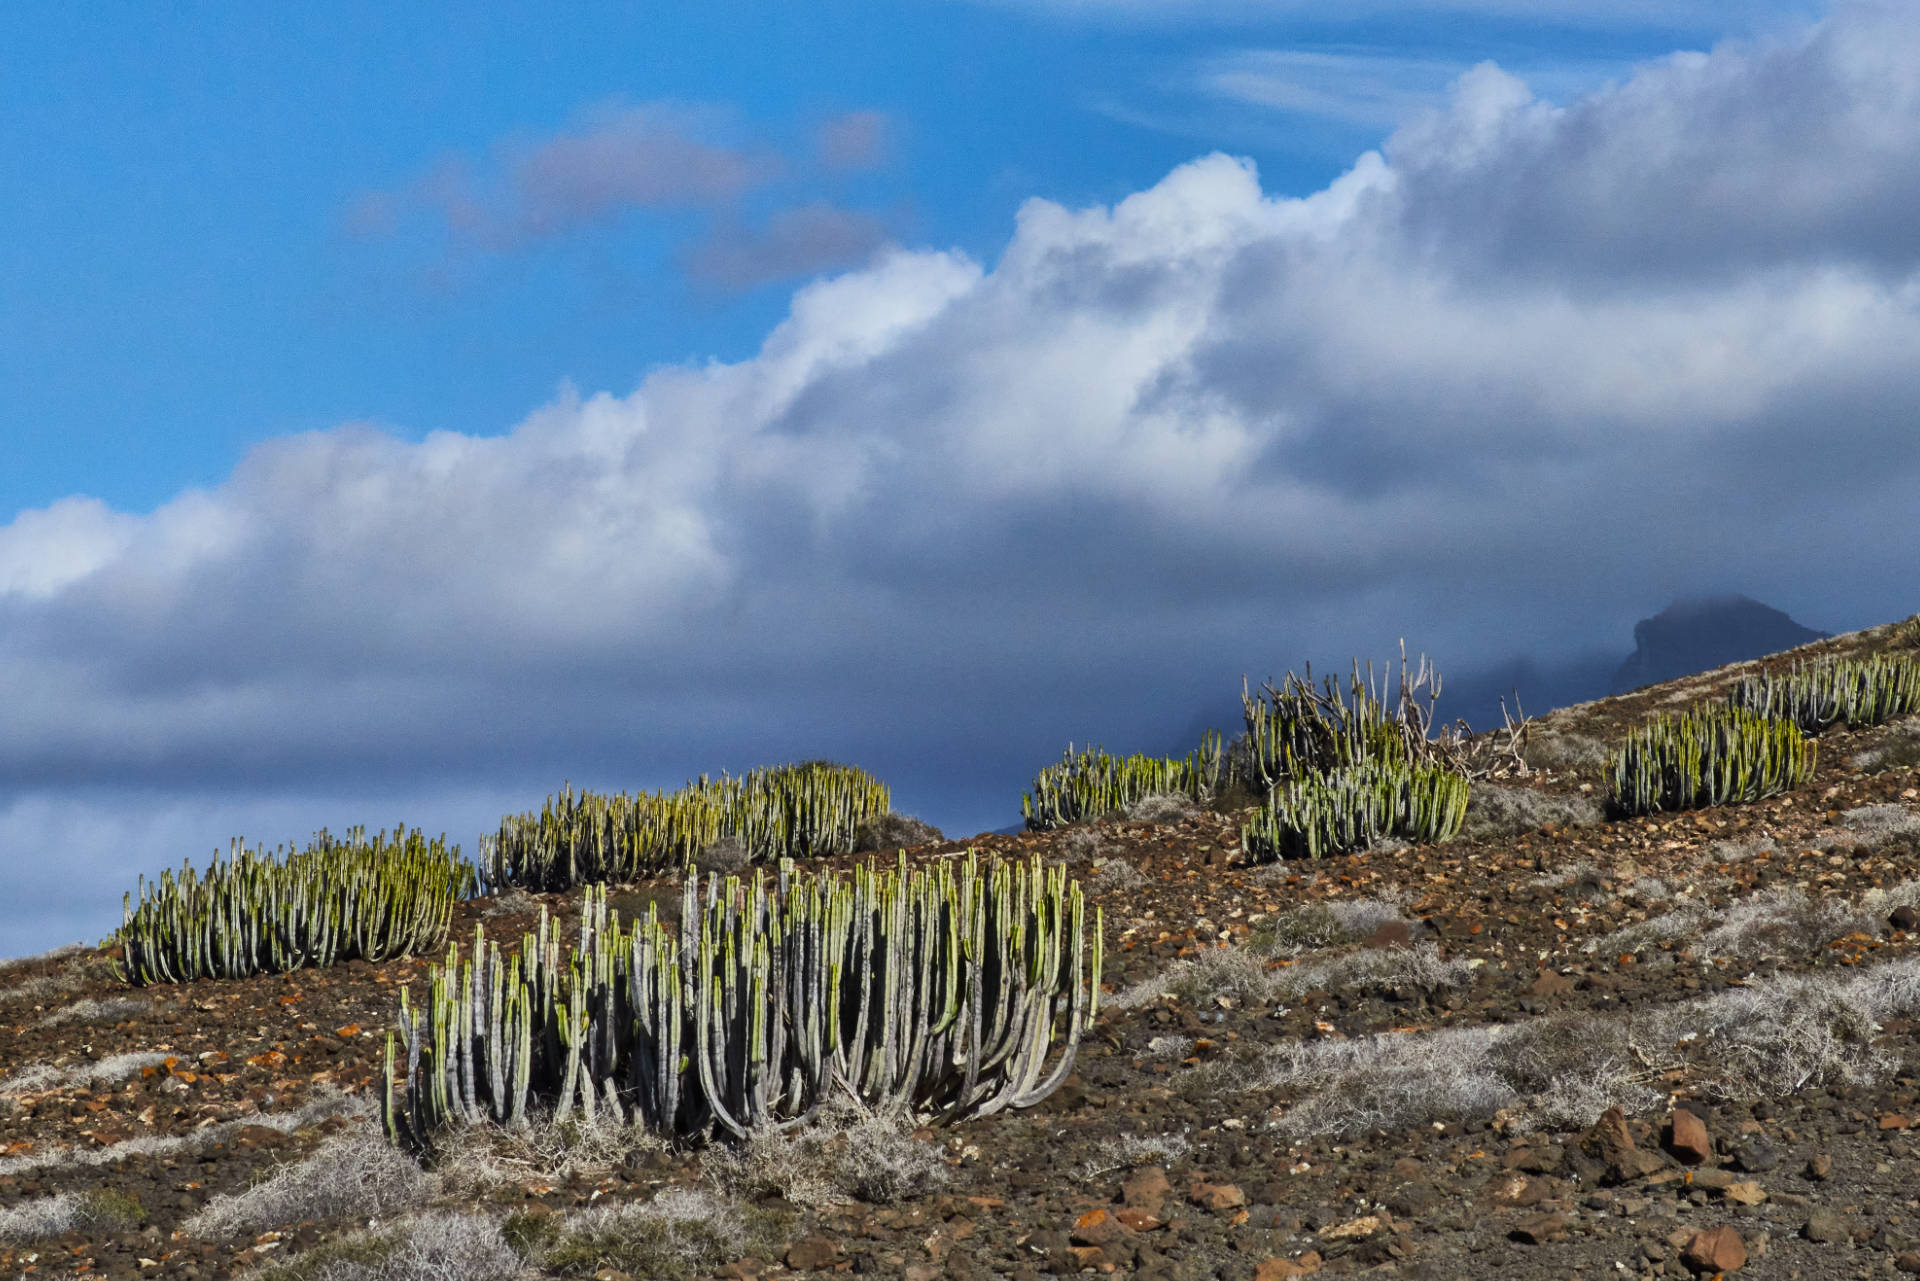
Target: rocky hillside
<point>1558,1046</point>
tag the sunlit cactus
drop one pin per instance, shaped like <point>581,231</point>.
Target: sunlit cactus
<point>583,838</point>
<point>1297,729</point>
<point>1352,808</point>
<point>1844,691</point>
<point>1710,756</point>
<point>1092,784</point>
<point>256,912</point>
<point>958,990</point>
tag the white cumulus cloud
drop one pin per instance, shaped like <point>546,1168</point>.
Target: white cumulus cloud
<point>1524,374</point>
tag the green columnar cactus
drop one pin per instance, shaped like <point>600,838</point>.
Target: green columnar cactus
<point>1709,756</point>
<point>1351,808</point>
<point>803,810</point>
<point>1296,729</point>
<point>1848,691</point>
<point>956,991</point>
<point>1091,783</point>
<point>265,913</point>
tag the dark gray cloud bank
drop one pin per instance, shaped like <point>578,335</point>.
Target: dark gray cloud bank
<point>1509,384</point>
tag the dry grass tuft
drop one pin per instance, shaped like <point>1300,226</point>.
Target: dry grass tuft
<point>680,1233</point>
<point>438,1246</point>
<point>111,1010</point>
<point>1900,750</point>
<point>358,1175</point>
<point>45,1076</point>
<point>100,1210</point>
<point>1117,874</point>
<point>1769,1039</point>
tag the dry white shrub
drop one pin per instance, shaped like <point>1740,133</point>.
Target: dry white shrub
<point>440,1246</point>
<point>1649,889</point>
<point>1232,973</point>
<point>79,970</point>
<point>1880,903</point>
<point>512,903</point>
<point>96,1011</point>
<point>1080,843</point>
<point>1418,968</point>
<point>1496,810</point>
<point>1781,922</point>
<point>46,1076</point>
<point>1879,824</point>
<point>67,1212</point>
<point>1161,807</point>
<point>847,1153</point>
<point>1124,1151</point>
<point>327,1102</point>
<point>476,1158</point>
<point>1555,749</point>
<point>357,1175</point>
<point>1686,921</point>
<point>1901,748</point>
<point>51,954</point>
<point>1118,874</point>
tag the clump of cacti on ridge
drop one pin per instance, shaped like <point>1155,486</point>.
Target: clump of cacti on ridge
<point>1091,783</point>
<point>256,912</point>
<point>1352,808</point>
<point>1341,769</point>
<point>956,990</point>
<point>580,838</point>
<point>1714,755</point>
<point>1847,691</point>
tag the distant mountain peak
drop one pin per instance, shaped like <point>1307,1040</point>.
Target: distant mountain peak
<point>1701,633</point>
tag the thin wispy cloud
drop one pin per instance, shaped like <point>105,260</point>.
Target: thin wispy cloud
<point>620,161</point>
<point>1357,87</point>
<point>616,159</point>
<point>804,241</point>
<point>855,140</point>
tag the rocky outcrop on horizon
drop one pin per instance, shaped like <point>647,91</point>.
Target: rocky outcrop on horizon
<point>1699,635</point>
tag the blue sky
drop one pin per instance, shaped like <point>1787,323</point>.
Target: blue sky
<point>184,274</point>
<point>407,408</point>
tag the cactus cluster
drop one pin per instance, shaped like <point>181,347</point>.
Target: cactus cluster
<point>1351,808</point>
<point>1713,755</point>
<point>256,912</point>
<point>1091,784</point>
<point>1341,769</point>
<point>1843,691</point>
<point>789,811</point>
<point>1296,730</point>
<point>947,990</point>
